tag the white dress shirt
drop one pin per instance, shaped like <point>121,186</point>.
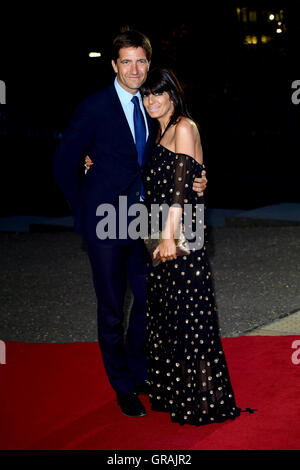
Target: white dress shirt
<point>125,98</point>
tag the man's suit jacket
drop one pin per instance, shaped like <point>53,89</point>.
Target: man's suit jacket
<point>99,129</point>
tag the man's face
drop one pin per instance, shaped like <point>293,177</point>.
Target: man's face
<point>131,68</point>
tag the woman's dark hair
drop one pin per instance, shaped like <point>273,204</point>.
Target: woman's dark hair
<point>160,80</point>
<point>131,38</point>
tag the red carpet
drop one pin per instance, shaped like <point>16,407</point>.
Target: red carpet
<point>56,396</point>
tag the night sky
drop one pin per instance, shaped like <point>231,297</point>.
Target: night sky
<point>239,94</point>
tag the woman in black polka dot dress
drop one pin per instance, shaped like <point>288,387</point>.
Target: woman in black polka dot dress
<point>187,368</point>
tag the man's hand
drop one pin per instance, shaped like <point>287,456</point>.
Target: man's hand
<point>88,163</point>
<point>199,184</point>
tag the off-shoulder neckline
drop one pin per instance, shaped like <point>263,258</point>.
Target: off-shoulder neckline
<point>179,153</point>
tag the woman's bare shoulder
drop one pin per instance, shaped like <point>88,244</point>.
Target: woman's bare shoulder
<point>186,124</point>
<point>185,137</point>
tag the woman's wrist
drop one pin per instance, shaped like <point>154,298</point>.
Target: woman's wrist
<point>169,237</point>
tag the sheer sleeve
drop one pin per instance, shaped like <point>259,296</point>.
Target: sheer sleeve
<point>182,177</point>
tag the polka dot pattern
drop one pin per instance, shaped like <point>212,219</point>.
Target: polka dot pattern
<point>187,368</point>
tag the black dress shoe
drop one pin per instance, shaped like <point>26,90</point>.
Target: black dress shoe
<point>130,405</point>
<point>143,388</point>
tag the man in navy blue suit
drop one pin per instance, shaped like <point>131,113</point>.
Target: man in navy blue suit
<point>104,126</point>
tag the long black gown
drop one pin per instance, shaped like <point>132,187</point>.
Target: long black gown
<point>187,369</point>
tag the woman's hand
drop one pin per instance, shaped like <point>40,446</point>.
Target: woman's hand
<point>166,250</point>
<point>88,162</point>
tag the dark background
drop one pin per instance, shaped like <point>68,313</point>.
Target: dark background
<point>236,69</point>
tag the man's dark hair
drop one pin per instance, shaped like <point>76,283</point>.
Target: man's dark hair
<point>131,38</point>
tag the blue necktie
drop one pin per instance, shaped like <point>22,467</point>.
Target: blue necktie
<point>139,131</point>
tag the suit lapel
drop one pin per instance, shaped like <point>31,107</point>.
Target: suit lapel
<point>120,120</point>
<point>151,137</point>
<point>124,132</point>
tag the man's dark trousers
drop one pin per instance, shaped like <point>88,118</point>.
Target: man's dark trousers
<point>112,265</point>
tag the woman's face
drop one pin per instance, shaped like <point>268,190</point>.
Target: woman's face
<point>159,105</point>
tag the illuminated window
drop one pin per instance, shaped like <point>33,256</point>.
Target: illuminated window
<point>252,16</point>
<point>265,39</point>
<point>244,15</point>
<point>250,39</point>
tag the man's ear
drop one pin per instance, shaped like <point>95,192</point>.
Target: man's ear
<point>114,66</point>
